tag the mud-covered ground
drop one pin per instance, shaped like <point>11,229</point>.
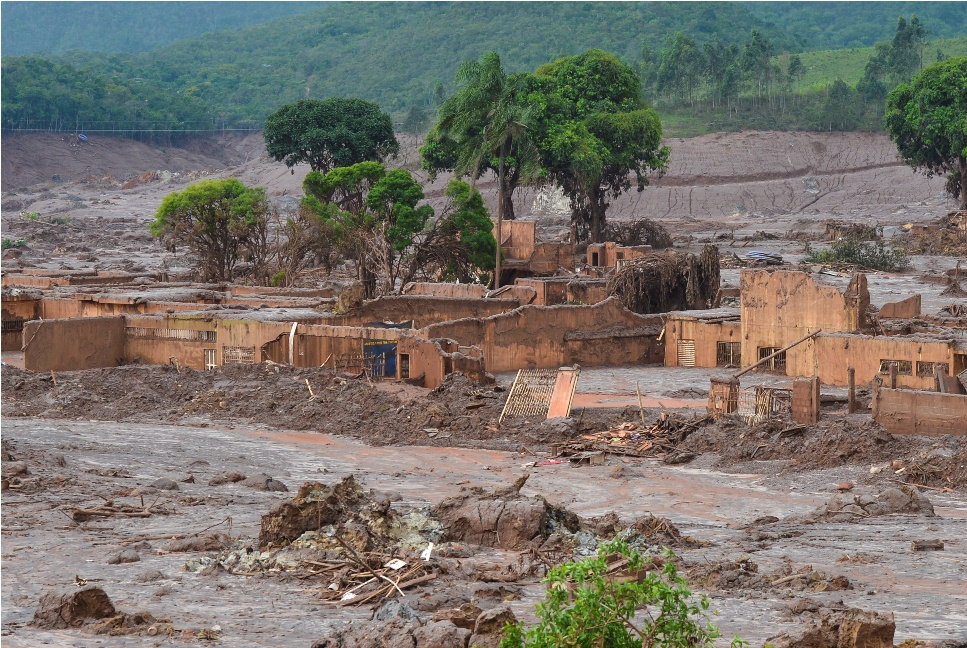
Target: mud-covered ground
<point>70,464</point>
<point>748,494</point>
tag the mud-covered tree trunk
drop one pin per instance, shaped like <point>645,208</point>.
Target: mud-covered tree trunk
<point>598,214</point>
<point>963,182</point>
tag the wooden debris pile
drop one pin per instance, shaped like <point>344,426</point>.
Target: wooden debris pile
<point>630,440</point>
<point>110,508</point>
<point>369,578</point>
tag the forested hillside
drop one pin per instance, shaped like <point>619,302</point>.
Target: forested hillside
<point>706,66</point>
<point>58,27</point>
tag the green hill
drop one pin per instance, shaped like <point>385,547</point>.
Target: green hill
<point>58,27</point>
<point>399,54</point>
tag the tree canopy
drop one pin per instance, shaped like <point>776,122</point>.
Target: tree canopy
<point>927,119</point>
<point>374,213</point>
<point>329,133</point>
<point>593,129</point>
<point>215,219</point>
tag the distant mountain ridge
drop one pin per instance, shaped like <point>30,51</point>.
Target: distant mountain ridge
<point>116,27</point>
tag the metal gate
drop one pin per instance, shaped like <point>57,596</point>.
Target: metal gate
<point>686,353</point>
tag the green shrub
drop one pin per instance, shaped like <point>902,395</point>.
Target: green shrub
<point>585,607</point>
<point>11,243</point>
<point>278,279</point>
<point>31,216</point>
<point>869,254</point>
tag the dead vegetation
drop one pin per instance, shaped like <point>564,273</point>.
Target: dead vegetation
<point>660,282</point>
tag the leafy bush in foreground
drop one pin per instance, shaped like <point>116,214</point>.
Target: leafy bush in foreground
<point>587,607</point>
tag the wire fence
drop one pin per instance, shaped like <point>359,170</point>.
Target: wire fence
<point>128,128</point>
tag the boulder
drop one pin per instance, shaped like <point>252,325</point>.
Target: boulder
<point>72,608</point>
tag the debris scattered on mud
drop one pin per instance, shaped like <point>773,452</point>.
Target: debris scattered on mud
<point>868,503</point>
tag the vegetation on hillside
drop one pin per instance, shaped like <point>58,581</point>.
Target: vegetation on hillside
<point>58,27</point>
<point>707,66</point>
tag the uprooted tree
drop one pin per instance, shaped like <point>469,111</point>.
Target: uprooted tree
<point>219,221</point>
<point>375,218</point>
<point>927,119</point>
<point>329,133</point>
<point>665,281</point>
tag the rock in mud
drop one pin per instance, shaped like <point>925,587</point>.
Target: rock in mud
<point>207,542</point>
<point>72,608</point>
<point>489,628</point>
<point>840,628</point>
<point>126,556</point>
<point>165,484</point>
<point>265,482</point>
<point>14,468</point>
<point>862,503</point>
<point>229,477</point>
<point>397,633</point>
<point>502,518</point>
<point>316,506</point>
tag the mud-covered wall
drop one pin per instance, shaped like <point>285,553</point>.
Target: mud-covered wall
<point>830,356</point>
<point>158,339</point>
<point>780,307</point>
<point>336,346</point>
<point>542,337</point>
<point>903,411</point>
<point>70,344</point>
<point>423,310</point>
<point>705,335</point>
<point>450,290</point>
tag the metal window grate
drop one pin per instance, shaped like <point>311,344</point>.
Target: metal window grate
<point>170,334</point>
<point>776,364</point>
<point>728,354</point>
<point>238,355</point>
<point>903,367</point>
<point>211,361</point>
<point>404,365</point>
<point>15,325</point>
<point>761,403</point>
<point>686,353</point>
<point>929,369</point>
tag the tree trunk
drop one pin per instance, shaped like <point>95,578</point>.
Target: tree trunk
<point>963,182</point>
<point>598,208</point>
<point>500,214</point>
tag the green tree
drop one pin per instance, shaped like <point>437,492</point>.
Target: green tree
<point>416,120</point>
<point>927,119</point>
<point>682,65</point>
<point>585,607</point>
<point>840,110</point>
<point>593,129</point>
<point>488,125</point>
<point>375,215</point>
<point>215,219</point>
<point>329,133</point>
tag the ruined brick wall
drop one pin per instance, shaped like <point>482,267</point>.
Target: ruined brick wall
<point>780,307</point>
<point>157,339</point>
<point>423,310</point>
<point>543,337</point>
<point>449,290</point>
<point>829,357</point>
<point>903,411</point>
<point>70,344</point>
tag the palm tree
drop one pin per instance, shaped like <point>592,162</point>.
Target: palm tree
<point>487,118</point>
